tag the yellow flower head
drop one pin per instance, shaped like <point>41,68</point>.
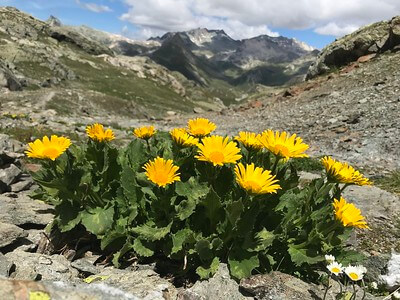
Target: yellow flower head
<point>283,145</point>
<point>97,133</point>
<point>201,127</point>
<point>256,180</point>
<point>343,173</point>
<point>250,140</point>
<point>161,171</point>
<point>182,138</point>
<point>218,150</point>
<point>48,148</point>
<point>144,132</point>
<point>348,214</point>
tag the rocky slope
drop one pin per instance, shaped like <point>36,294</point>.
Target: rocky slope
<point>372,39</point>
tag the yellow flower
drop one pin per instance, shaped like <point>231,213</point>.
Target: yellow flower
<point>161,171</point>
<point>217,150</point>
<point>282,145</point>
<point>349,214</point>
<point>181,137</point>
<point>250,140</point>
<point>256,180</point>
<point>343,173</point>
<point>97,133</point>
<point>144,132</point>
<point>48,148</point>
<point>355,273</point>
<point>201,127</point>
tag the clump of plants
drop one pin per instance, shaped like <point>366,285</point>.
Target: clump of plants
<point>194,200</point>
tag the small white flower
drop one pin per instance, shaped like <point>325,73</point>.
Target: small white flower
<point>329,258</point>
<point>355,273</point>
<point>335,268</point>
<point>374,285</point>
<point>396,295</point>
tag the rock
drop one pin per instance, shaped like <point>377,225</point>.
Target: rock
<point>373,202</point>
<point>22,210</point>
<point>83,265</point>
<point>36,266</point>
<point>220,287</point>
<point>278,286</point>
<point>9,80</point>
<point>362,45</point>
<point>392,279</point>
<point>22,185</point>
<point>59,291</point>
<point>366,58</point>
<point>376,266</point>
<point>144,284</point>
<point>10,146</point>
<point>5,266</point>
<point>198,110</point>
<point>8,176</point>
<point>9,233</point>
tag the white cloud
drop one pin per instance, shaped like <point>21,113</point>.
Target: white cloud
<point>335,30</point>
<point>253,17</point>
<point>97,8</point>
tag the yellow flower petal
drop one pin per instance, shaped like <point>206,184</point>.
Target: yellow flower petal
<point>182,138</point>
<point>256,180</point>
<point>97,133</point>
<point>348,214</point>
<point>218,150</point>
<point>250,140</point>
<point>343,173</point>
<point>48,148</point>
<point>201,127</point>
<point>161,171</point>
<point>144,132</point>
<point>283,146</point>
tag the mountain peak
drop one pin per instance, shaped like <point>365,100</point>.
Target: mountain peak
<point>54,21</point>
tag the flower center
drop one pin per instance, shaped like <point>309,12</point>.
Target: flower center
<point>282,150</point>
<point>198,131</point>
<point>51,153</point>
<point>217,157</point>
<point>335,270</point>
<point>253,186</point>
<point>161,178</point>
<point>354,276</point>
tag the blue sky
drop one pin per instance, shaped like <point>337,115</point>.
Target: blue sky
<point>316,22</point>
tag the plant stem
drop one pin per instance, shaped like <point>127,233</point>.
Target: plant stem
<point>327,288</point>
<point>148,145</point>
<point>354,292</point>
<point>277,159</point>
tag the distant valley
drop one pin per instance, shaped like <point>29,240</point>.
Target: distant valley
<point>95,71</point>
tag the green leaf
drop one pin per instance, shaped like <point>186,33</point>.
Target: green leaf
<point>68,216</point>
<point>179,238</point>
<point>98,220</point>
<point>264,240</point>
<point>301,256</point>
<point>185,209</point>
<point>142,249</point>
<point>191,189</point>
<point>233,211</point>
<point>212,205</point>
<point>128,184</point>
<point>242,265</point>
<point>209,271</point>
<point>203,248</point>
<point>117,255</point>
<point>134,155</point>
<point>149,232</point>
